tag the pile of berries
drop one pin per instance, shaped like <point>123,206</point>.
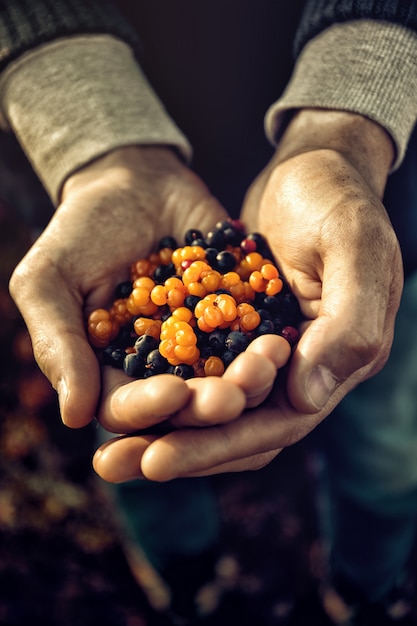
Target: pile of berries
<point>191,310</point>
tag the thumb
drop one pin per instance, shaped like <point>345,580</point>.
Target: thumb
<point>55,324</point>
<point>349,341</point>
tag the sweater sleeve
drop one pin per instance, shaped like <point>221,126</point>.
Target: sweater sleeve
<point>72,100</point>
<point>26,24</point>
<point>363,66</point>
<point>321,14</point>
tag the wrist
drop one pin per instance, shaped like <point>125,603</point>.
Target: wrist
<point>364,143</point>
<point>125,166</point>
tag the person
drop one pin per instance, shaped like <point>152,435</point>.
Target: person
<point>118,169</point>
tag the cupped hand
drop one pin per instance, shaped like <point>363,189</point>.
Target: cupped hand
<point>166,423</point>
<point>335,244</point>
<point>319,203</point>
<point>113,211</point>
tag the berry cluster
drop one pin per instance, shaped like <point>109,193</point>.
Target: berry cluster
<point>191,310</point>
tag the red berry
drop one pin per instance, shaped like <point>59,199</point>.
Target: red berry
<point>248,245</point>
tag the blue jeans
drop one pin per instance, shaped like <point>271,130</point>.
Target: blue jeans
<point>370,454</point>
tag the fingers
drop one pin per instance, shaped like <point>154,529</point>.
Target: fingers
<point>128,406</point>
<point>254,370</point>
<point>60,346</point>
<point>242,444</point>
<point>211,401</point>
<point>125,458</point>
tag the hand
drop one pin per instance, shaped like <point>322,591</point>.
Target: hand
<point>113,212</point>
<point>319,203</point>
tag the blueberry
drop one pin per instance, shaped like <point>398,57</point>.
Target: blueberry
<point>134,365</point>
<point>225,261</point>
<point>162,272</point>
<point>184,370</point>
<point>145,344</point>
<point>266,327</point>
<point>191,235</point>
<point>191,301</point>
<point>168,242</point>
<point>279,322</point>
<point>236,341</point>
<point>207,351</point>
<point>265,314</point>
<point>216,340</point>
<point>233,238</point>
<point>123,290</point>
<point>257,238</point>
<point>199,242</point>
<point>216,239</point>
<point>156,362</point>
<point>223,225</point>
<point>124,337</point>
<point>289,306</point>
<point>219,292</point>
<point>272,304</point>
<point>211,254</point>
<point>114,356</point>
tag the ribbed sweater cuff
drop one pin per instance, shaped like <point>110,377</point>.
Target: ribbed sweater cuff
<point>75,99</point>
<point>364,66</point>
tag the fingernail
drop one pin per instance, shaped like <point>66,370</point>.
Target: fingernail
<point>62,397</point>
<point>321,385</point>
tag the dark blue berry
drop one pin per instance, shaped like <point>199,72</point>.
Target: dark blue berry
<point>156,362</point>
<point>266,327</point>
<point>219,292</point>
<point>162,272</point>
<point>168,242</point>
<point>145,344</point>
<point>211,254</point>
<point>184,370</point>
<point>123,290</point>
<point>265,314</point>
<point>191,301</point>
<point>207,351</point>
<point>216,340</point>
<point>216,239</point>
<point>236,341</point>
<point>124,338</point>
<point>199,242</point>
<point>271,303</point>
<point>191,235</point>
<point>225,261</point>
<point>257,238</point>
<point>134,365</point>
<point>223,225</point>
<point>114,356</point>
<point>233,238</point>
